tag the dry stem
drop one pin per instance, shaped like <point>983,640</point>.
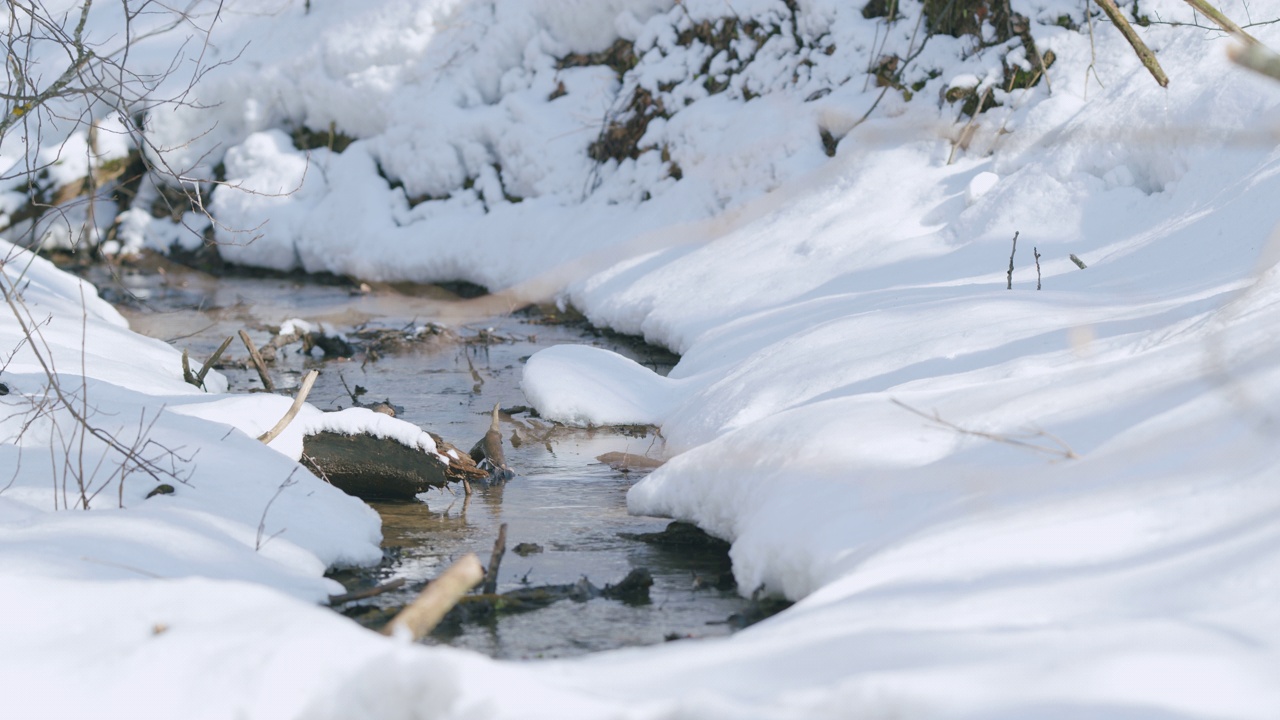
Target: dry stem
<point>495,561</point>
<point>437,598</point>
<point>1147,57</point>
<point>1058,447</point>
<point>307,382</point>
<point>258,364</point>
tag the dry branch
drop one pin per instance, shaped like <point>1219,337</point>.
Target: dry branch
<point>1014,251</point>
<point>1223,21</point>
<point>495,561</point>
<point>258,364</point>
<point>437,598</point>
<point>1147,57</point>
<point>1058,447</point>
<point>367,593</point>
<point>307,382</point>
<point>208,364</point>
<point>188,376</point>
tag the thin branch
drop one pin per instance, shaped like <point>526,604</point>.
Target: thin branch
<point>1147,57</point>
<point>262,522</point>
<point>258,364</point>
<point>208,364</point>
<point>495,561</point>
<point>1009,283</point>
<point>1223,21</point>
<point>347,597</point>
<point>307,382</point>
<point>1057,449</point>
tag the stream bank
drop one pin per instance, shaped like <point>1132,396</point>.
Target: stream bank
<point>565,509</point>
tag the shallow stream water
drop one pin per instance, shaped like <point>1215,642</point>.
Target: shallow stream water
<point>563,500</point>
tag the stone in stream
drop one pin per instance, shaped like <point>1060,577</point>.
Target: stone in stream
<point>374,468</point>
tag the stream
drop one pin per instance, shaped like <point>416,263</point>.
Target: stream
<point>565,510</point>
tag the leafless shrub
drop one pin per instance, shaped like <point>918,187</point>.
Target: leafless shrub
<point>262,522</point>
<point>62,80</point>
<point>63,408</point>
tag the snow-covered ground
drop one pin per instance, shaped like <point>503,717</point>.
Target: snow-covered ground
<point>1042,502</point>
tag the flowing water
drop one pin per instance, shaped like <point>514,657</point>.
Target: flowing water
<point>565,510</point>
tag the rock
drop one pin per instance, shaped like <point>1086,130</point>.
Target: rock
<point>527,549</point>
<point>626,462</point>
<point>382,469</point>
<point>634,588</point>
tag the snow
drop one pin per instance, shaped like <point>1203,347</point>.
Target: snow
<point>988,502</point>
<point>585,386</point>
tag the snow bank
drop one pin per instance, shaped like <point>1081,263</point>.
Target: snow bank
<point>988,502</point>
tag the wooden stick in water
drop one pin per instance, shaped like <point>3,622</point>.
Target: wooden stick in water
<point>422,615</point>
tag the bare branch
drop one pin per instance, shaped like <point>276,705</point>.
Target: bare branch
<point>1058,448</point>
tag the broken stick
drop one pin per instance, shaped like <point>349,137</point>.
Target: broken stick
<point>307,382</point>
<point>495,560</point>
<point>367,593</point>
<point>258,364</point>
<point>422,615</point>
<point>208,364</point>
<point>1144,53</point>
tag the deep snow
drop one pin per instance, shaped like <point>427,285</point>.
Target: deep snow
<point>1120,562</point>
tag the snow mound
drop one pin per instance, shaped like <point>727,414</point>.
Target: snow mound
<point>587,386</point>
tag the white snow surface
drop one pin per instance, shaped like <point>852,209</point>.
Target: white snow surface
<point>988,502</point>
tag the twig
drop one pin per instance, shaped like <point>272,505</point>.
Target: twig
<point>1009,283</point>
<point>478,382</point>
<point>437,598</point>
<point>1223,21</point>
<point>966,133</point>
<point>1059,448</point>
<point>1036,251</point>
<point>1093,55</point>
<point>495,560</point>
<point>1147,57</point>
<point>307,382</point>
<point>258,364</point>
<point>188,376</point>
<point>366,593</point>
<point>259,543</point>
<point>208,364</point>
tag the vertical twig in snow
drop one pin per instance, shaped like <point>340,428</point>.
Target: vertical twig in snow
<point>262,522</point>
<point>1009,286</point>
<point>1036,251</point>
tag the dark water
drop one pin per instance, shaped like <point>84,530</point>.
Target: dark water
<point>446,379</point>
